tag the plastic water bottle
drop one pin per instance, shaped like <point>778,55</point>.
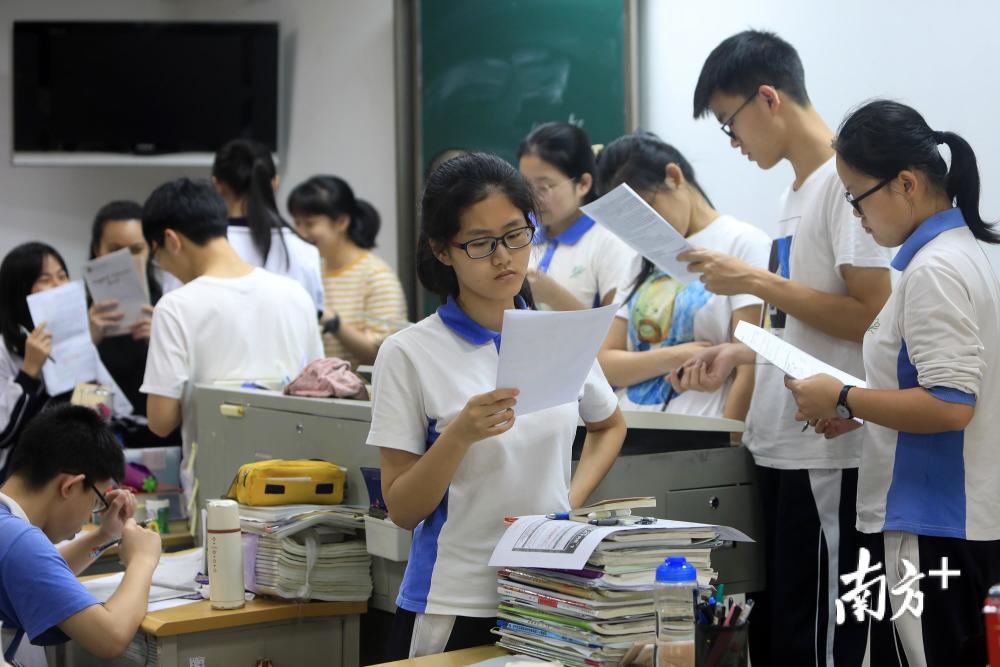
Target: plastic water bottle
<point>674,598</point>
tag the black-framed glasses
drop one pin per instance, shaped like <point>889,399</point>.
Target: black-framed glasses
<point>727,126</point>
<point>485,246</point>
<point>101,504</point>
<point>856,201</point>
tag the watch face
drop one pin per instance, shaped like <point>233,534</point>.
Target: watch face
<point>843,412</point>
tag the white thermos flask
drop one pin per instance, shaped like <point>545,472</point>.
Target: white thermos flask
<point>225,554</point>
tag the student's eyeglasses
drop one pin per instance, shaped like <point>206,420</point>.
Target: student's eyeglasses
<point>101,503</point>
<point>485,246</point>
<point>543,190</point>
<point>856,201</point>
<point>727,126</point>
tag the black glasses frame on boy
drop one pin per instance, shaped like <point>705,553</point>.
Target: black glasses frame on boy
<point>484,246</point>
<point>856,201</point>
<point>727,125</point>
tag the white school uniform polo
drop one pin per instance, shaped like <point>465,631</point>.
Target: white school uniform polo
<point>818,236</point>
<point>663,312</point>
<point>940,330</point>
<point>302,264</point>
<point>586,259</point>
<point>423,378</point>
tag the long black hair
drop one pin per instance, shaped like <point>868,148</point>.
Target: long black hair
<point>566,147</point>
<point>640,160</point>
<point>247,169</point>
<point>882,138</point>
<point>333,197</point>
<point>450,190</point>
<point>18,273</point>
<point>120,211</point>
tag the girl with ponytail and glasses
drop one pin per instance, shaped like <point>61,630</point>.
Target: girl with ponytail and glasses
<point>929,459</point>
<point>364,301</point>
<point>455,461</point>
<point>244,175</point>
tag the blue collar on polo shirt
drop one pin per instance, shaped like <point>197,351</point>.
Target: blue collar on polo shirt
<point>928,230</point>
<point>456,319</point>
<point>569,236</point>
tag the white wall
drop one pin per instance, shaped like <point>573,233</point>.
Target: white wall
<point>337,108</point>
<point>939,58</point>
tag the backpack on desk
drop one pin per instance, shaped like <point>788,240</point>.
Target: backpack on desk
<point>288,482</point>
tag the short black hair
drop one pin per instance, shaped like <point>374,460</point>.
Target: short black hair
<point>115,211</point>
<point>333,197</point>
<point>747,60</point>
<point>191,208</point>
<point>67,439</point>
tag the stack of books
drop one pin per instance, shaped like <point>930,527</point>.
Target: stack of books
<point>306,552</point>
<point>590,617</point>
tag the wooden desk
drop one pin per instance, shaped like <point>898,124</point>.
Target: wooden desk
<point>468,656</point>
<point>288,632</point>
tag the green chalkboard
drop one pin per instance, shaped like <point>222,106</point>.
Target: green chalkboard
<point>491,70</point>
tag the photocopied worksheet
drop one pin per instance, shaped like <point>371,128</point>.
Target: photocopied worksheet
<point>630,218</point>
<point>548,354</point>
<point>73,358</point>
<point>790,359</point>
<point>116,276</point>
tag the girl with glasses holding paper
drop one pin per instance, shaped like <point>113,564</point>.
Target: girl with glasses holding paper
<point>662,321</point>
<point>455,460</point>
<point>929,460</point>
<point>576,263</point>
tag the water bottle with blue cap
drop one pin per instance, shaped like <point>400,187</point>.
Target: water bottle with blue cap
<point>674,600</point>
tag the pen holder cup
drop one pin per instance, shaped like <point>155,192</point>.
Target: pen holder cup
<point>721,646</point>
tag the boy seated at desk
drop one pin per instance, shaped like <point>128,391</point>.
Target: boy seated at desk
<point>230,320</point>
<point>63,459</point>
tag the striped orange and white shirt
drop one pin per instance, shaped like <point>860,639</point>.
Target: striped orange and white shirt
<point>367,295</point>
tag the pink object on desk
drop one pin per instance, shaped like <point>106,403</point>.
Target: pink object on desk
<point>328,378</point>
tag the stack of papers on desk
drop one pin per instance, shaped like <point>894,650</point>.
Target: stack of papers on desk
<point>306,552</point>
<point>173,581</point>
<point>583,594</point>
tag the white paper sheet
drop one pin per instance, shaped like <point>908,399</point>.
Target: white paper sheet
<point>116,276</point>
<point>173,578</point>
<point>548,354</point>
<point>787,357</point>
<point>630,218</point>
<point>534,541</point>
<point>73,358</point>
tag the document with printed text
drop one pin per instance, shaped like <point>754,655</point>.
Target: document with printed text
<point>793,361</point>
<point>116,276</point>
<point>630,218</point>
<point>73,358</point>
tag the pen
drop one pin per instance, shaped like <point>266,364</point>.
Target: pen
<point>624,521</point>
<point>27,333</point>
<point>729,617</point>
<point>720,592</point>
<point>805,427</point>
<point>560,516</point>
<point>747,608</point>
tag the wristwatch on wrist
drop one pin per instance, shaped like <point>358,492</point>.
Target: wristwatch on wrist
<point>332,325</point>
<point>843,410</point>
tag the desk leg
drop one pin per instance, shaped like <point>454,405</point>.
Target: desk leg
<point>351,640</point>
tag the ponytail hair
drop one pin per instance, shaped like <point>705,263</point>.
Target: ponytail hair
<point>451,189</point>
<point>640,161</point>
<point>333,197</point>
<point>247,169</point>
<point>882,138</point>
<point>564,146</point>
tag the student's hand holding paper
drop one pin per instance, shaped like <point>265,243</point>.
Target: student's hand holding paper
<point>816,396</point>
<point>832,428</point>
<point>121,508</point>
<point>484,416</point>
<point>104,318</point>
<point>722,274</point>
<point>142,327</point>
<point>37,347</point>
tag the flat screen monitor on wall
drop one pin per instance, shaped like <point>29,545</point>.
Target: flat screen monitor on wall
<point>142,88</point>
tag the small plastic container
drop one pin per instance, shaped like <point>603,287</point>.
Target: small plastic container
<point>674,601</point>
<point>385,539</point>
<point>158,514</point>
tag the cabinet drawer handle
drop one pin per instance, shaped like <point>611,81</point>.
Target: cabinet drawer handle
<point>229,410</point>
<point>713,502</point>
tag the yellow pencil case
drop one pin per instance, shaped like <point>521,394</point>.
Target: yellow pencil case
<point>288,482</point>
